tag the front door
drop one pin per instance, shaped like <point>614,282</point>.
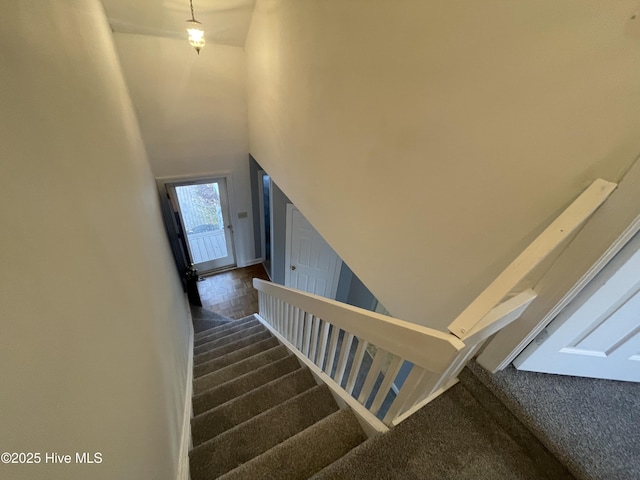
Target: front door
<point>312,265</point>
<point>203,208</point>
<point>598,334</point>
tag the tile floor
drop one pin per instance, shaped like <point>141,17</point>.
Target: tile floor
<point>232,293</point>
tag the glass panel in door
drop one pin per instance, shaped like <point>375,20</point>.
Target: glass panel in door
<point>204,214</point>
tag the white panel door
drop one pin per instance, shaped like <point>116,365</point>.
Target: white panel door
<point>312,265</point>
<point>598,334</point>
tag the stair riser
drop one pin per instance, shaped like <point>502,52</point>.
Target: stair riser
<point>234,357</point>
<point>306,453</point>
<point>202,325</point>
<point>214,422</point>
<point>229,330</point>
<point>230,372</point>
<point>248,440</point>
<point>231,347</point>
<point>222,328</point>
<point>233,337</point>
<point>226,333</point>
<point>241,385</point>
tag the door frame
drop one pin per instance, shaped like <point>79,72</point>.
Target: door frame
<point>263,251</point>
<point>288,247</point>
<point>263,236</point>
<point>177,238</point>
<point>603,235</point>
<point>221,263</point>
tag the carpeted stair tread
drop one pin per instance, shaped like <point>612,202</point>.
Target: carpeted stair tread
<point>305,453</point>
<point>205,319</point>
<point>203,313</point>
<point>237,369</point>
<point>225,333</point>
<point>590,425</point>
<point>232,337</point>
<point>230,347</point>
<point>219,332</point>
<point>234,412</point>
<point>233,357</point>
<point>253,437</point>
<point>206,324</point>
<point>198,336</point>
<point>452,438</point>
<point>239,386</point>
<point>533,448</point>
<point>216,334</point>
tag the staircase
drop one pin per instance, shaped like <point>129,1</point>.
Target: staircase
<point>260,414</point>
<point>257,412</point>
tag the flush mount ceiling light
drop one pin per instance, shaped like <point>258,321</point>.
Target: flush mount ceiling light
<point>196,34</point>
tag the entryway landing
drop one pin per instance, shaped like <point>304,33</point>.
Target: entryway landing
<point>231,293</point>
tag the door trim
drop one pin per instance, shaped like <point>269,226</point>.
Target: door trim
<point>173,230</point>
<point>263,235</point>
<point>208,266</point>
<point>287,253</point>
<point>263,241</point>
<point>546,357</point>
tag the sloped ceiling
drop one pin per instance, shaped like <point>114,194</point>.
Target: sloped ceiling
<point>430,141</point>
<point>225,22</point>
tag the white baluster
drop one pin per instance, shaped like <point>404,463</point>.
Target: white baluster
<point>421,390</point>
<point>276,313</point>
<point>407,388</point>
<point>314,340</point>
<point>357,363</point>
<point>307,333</point>
<point>294,331</point>
<point>333,344</point>
<point>322,344</point>
<point>287,321</point>
<point>392,371</point>
<point>301,326</point>
<point>280,317</point>
<point>347,341</point>
<point>372,376</point>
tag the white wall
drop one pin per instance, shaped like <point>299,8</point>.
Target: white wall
<point>94,327</point>
<point>193,115</point>
<point>429,142</point>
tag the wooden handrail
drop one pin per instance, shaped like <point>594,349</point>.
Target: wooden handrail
<point>430,349</point>
<point>548,241</point>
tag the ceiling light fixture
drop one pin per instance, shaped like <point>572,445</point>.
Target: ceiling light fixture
<point>196,34</point>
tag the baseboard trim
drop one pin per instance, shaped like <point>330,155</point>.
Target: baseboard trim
<point>186,442</point>
<point>251,263</point>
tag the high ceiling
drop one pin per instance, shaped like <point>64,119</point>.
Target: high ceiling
<point>225,22</point>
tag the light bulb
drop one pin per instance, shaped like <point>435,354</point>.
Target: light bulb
<point>196,35</point>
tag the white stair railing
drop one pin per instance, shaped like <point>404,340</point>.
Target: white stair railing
<point>358,353</point>
<point>333,338</point>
